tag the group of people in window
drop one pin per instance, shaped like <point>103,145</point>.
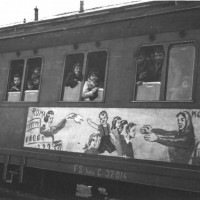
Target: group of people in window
<point>149,62</point>
<point>82,84</point>
<point>32,83</point>
<point>91,86</point>
<point>149,65</point>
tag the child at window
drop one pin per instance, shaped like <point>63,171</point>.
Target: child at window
<point>142,70</point>
<point>36,73</point>
<point>155,68</point>
<point>74,77</point>
<point>90,88</point>
<point>30,85</point>
<point>16,84</point>
<point>35,78</point>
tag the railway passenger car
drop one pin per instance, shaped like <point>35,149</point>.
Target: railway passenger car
<point>103,95</point>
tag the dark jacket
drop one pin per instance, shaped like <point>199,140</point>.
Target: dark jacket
<point>181,143</point>
<point>72,80</point>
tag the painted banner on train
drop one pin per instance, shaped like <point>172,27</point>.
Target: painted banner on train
<point>170,135</point>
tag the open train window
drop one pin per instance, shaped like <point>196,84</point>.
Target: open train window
<point>24,80</point>
<point>93,88</point>
<point>176,84</point>
<point>73,77</point>
<point>149,62</point>
<point>84,82</point>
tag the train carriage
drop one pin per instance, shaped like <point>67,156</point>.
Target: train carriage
<point>103,95</point>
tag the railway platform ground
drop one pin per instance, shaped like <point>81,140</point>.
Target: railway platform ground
<point>156,194</point>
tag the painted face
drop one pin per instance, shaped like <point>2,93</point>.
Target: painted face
<point>118,124</point>
<point>77,70</point>
<point>132,131</point>
<point>103,119</point>
<point>95,141</point>
<point>158,56</point>
<point>181,122</point>
<point>17,81</point>
<point>50,119</point>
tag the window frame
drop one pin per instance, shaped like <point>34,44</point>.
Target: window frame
<point>170,46</point>
<point>24,76</point>
<point>163,89</point>
<point>84,72</point>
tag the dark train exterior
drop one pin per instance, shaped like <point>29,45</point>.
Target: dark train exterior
<point>106,40</point>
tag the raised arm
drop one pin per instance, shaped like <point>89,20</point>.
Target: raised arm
<point>92,124</point>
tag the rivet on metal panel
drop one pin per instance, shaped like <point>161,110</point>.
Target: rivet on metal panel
<point>152,37</point>
<point>98,43</point>
<point>18,53</point>
<point>182,33</point>
<point>76,46</point>
<point>35,51</point>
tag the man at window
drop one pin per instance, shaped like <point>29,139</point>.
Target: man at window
<point>155,68</point>
<point>142,70</point>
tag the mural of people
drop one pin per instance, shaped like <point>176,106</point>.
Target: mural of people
<point>104,129</point>
<point>93,144</point>
<point>106,133</point>
<point>127,147</point>
<point>48,130</point>
<point>116,130</point>
<point>180,143</point>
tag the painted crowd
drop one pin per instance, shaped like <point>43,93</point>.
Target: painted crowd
<point>130,133</point>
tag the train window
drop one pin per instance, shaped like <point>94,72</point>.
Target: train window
<point>73,77</point>
<point>32,79</point>
<point>93,88</point>
<point>180,73</point>
<point>84,82</point>
<point>24,80</point>
<point>15,80</point>
<point>149,62</point>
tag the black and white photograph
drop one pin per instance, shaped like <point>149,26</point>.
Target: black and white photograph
<point>99,100</point>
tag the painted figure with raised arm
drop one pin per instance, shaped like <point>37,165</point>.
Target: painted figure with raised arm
<point>104,129</point>
<point>180,143</point>
<point>48,130</point>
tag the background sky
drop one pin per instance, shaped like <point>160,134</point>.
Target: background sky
<point>14,11</point>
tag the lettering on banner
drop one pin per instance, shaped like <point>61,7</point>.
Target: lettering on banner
<point>38,112</point>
